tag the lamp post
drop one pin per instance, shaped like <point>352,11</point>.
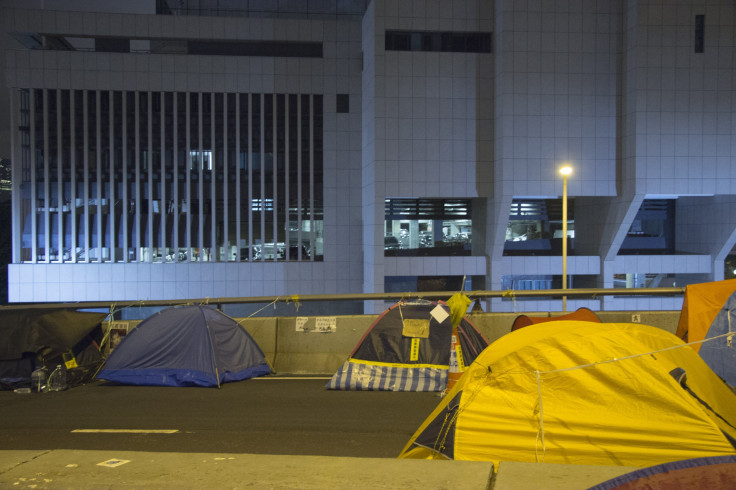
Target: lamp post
<point>565,171</point>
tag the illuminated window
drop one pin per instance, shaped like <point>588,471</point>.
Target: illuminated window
<point>535,227</point>
<point>201,160</point>
<point>170,177</point>
<point>415,227</point>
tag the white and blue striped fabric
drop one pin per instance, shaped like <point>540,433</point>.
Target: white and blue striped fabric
<point>357,376</point>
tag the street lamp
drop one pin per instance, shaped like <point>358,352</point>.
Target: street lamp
<point>565,171</point>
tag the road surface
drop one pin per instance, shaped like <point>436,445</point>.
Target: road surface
<point>269,415</point>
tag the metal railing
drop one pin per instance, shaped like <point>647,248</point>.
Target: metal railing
<point>589,293</point>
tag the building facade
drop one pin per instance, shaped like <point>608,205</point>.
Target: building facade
<point>183,150</point>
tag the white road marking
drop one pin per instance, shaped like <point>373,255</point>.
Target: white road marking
<point>113,463</point>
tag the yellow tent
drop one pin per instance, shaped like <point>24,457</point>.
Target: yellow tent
<point>582,393</point>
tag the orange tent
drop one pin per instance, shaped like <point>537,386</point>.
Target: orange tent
<point>581,314</point>
<point>708,311</point>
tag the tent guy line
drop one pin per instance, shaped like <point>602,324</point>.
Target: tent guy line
<point>615,359</point>
<point>537,373</point>
<point>540,433</point>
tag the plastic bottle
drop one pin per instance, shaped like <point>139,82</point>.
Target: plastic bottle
<point>57,380</point>
<point>38,380</point>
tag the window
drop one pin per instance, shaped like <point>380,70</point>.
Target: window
<point>112,45</point>
<point>168,177</point>
<point>535,227</point>
<point>699,33</point>
<point>535,282</point>
<point>201,160</point>
<point>529,282</point>
<point>454,42</point>
<point>730,265</point>
<point>343,103</point>
<point>653,229</point>
<point>109,44</point>
<point>422,227</point>
<point>256,48</point>
<point>413,284</point>
<point>655,280</point>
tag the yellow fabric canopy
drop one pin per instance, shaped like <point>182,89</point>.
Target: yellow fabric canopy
<point>582,393</point>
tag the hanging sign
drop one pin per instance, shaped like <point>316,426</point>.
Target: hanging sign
<point>414,354</point>
<point>439,313</point>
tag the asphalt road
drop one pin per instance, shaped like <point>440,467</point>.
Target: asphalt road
<point>269,415</point>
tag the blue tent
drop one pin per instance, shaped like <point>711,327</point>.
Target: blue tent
<point>185,346</point>
<point>410,348</point>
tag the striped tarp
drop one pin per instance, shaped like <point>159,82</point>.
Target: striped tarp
<point>355,375</point>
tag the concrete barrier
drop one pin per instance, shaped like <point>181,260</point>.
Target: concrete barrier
<point>308,351</point>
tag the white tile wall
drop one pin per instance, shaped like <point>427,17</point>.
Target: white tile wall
<point>421,144</point>
<point>681,96</point>
<point>338,72</point>
<point>413,131</point>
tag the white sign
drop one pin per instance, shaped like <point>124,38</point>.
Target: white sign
<point>301,324</point>
<point>439,313</point>
<point>317,325</point>
<point>326,324</point>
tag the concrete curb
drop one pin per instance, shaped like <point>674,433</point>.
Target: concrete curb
<point>65,468</point>
<point>125,469</point>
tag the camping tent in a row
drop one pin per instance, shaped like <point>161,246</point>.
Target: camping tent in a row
<point>37,337</point>
<point>581,393</point>
<point>185,346</point>
<point>708,316</point>
<point>581,314</point>
<point>409,348</point>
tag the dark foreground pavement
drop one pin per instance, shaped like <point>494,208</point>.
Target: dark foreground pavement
<point>132,469</point>
<point>265,433</point>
